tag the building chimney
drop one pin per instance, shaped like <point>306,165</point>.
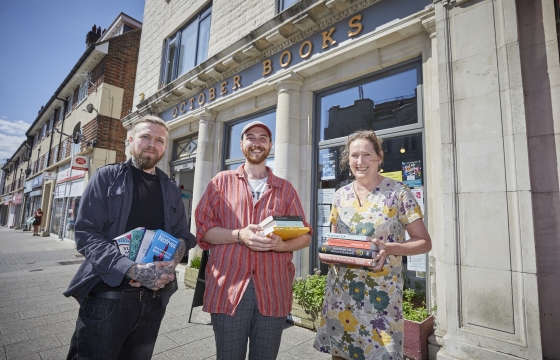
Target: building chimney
<point>92,36</point>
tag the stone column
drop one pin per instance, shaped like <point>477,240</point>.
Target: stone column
<point>204,158</point>
<point>286,146</point>
<point>287,142</point>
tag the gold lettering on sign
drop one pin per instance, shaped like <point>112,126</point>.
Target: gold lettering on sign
<point>175,111</point>
<point>354,25</point>
<point>285,54</point>
<point>201,99</point>
<point>223,89</point>
<point>212,93</point>
<point>236,82</point>
<point>182,107</point>
<point>309,45</point>
<point>191,100</point>
<point>267,67</point>
<point>327,38</point>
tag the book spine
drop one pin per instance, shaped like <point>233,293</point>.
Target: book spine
<point>345,260</point>
<point>346,251</point>
<point>347,236</point>
<point>349,243</point>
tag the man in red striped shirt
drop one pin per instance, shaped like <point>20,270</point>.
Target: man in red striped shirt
<point>248,276</point>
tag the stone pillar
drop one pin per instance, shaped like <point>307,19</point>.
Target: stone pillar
<point>286,146</point>
<point>489,263</point>
<point>204,158</point>
<point>287,142</point>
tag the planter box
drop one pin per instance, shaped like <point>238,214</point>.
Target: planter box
<point>190,277</point>
<point>299,317</point>
<point>416,338</point>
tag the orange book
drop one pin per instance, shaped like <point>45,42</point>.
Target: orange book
<point>352,244</point>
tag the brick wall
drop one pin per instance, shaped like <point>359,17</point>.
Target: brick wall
<point>108,134</point>
<point>231,20</point>
<point>120,65</point>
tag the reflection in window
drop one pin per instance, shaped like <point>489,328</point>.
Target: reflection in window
<point>186,48</point>
<point>284,4</point>
<point>387,102</point>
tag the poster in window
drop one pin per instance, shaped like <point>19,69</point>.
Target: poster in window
<point>412,173</point>
<point>327,163</point>
<point>325,196</point>
<point>323,214</point>
<point>322,234</point>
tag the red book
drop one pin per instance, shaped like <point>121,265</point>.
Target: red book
<point>352,244</point>
<point>345,260</point>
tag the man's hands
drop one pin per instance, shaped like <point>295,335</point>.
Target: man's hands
<point>251,237</point>
<point>154,275</point>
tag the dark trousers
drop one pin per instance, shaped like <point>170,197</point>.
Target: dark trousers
<point>116,329</point>
<point>231,332</point>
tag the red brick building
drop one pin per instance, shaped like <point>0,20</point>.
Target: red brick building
<point>79,128</point>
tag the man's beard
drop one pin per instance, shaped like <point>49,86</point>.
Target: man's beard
<point>144,162</point>
<point>255,159</point>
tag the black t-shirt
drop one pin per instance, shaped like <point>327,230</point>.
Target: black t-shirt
<point>146,211</point>
<point>147,202</point>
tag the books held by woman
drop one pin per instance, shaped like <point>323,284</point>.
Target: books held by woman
<point>348,249</point>
<point>287,227</point>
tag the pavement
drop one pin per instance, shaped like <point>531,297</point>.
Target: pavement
<point>37,321</point>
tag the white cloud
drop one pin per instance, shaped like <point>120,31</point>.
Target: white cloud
<point>12,134</point>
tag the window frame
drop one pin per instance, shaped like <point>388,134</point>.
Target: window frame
<point>176,37</point>
<point>280,5</point>
<point>83,91</point>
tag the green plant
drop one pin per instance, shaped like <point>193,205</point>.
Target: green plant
<point>310,293</point>
<point>414,313</point>
<point>195,261</point>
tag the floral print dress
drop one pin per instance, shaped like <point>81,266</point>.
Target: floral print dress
<point>362,313</point>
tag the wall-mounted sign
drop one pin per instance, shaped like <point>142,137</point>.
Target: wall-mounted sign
<point>69,174</point>
<point>80,162</point>
<point>49,175</point>
<point>37,181</point>
<point>27,187</point>
<point>273,60</point>
<point>17,198</point>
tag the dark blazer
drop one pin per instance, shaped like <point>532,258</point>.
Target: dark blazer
<point>102,216</point>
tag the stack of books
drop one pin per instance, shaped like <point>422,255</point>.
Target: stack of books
<point>348,249</point>
<point>287,227</point>
<point>145,246</point>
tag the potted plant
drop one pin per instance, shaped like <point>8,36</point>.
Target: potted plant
<point>418,326</point>
<point>191,272</point>
<point>308,297</point>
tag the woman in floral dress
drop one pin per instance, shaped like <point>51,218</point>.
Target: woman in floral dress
<point>362,313</point>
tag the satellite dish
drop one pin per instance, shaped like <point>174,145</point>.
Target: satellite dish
<point>89,108</point>
<point>77,133</point>
<point>27,172</point>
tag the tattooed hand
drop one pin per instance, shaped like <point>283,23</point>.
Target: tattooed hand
<point>154,276</point>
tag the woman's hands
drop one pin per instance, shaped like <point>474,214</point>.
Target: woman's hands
<point>381,255</point>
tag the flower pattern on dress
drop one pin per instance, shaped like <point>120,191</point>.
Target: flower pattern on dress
<point>362,314</point>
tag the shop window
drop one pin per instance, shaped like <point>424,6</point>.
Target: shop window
<point>186,48</point>
<point>386,101</point>
<point>185,148</point>
<point>284,4</point>
<point>234,156</point>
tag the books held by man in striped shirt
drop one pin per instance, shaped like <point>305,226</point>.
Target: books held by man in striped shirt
<point>287,227</point>
<point>348,249</point>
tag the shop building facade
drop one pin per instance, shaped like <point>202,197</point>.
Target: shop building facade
<point>79,128</point>
<point>15,172</point>
<point>464,94</point>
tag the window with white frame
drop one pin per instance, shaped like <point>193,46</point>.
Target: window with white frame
<point>83,92</point>
<point>60,113</point>
<point>284,4</point>
<point>186,48</point>
<point>69,101</point>
<point>76,147</point>
<point>50,124</point>
<point>44,131</point>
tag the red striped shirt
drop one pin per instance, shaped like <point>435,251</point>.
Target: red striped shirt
<point>228,203</point>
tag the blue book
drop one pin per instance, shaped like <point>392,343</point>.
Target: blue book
<point>162,247</point>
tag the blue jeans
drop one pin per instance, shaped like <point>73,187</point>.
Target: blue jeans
<point>116,329</point>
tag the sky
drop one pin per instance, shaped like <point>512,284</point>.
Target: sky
<point>41,41</point>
